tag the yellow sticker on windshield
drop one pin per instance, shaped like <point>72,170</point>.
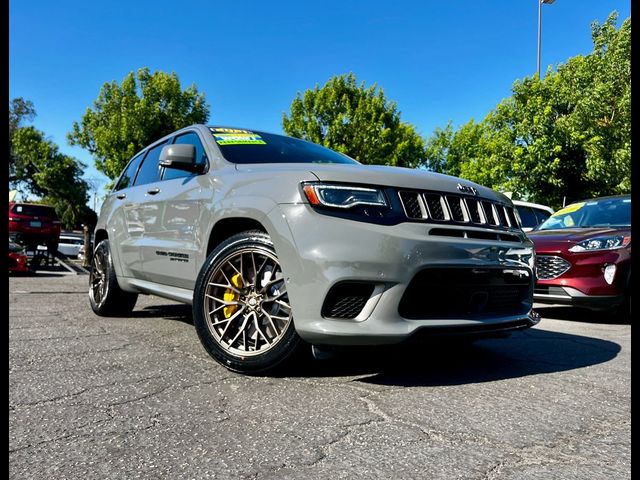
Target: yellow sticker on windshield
<point>570,209</point>
<point>239,139</point>
<point>228,130</point>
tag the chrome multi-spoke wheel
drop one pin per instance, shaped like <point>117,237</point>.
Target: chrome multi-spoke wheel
<point>105,295</point>
<point>241,305</point>
<point>246,305</point>
<point>98,277</point>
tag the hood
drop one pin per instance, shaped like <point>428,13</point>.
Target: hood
<point>400,177</point>
<point>563,239</point>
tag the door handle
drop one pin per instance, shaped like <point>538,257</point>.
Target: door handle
<point>121,196</point>
<point>153,191</point>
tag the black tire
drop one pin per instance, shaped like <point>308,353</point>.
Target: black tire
<point>105,295</point>
<point>246,317</point>
<point>52,248</point>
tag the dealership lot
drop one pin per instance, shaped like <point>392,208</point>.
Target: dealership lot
<point>138,397</point>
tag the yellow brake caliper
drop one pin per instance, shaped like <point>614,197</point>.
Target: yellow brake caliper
<point>232,296</point>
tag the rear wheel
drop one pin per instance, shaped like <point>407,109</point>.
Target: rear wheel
<point>105,295</point>
<point>241,307</point>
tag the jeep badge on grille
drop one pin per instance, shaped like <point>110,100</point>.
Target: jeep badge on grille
<point>467,189</point>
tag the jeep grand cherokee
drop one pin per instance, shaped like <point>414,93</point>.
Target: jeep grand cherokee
<point>278,242</point>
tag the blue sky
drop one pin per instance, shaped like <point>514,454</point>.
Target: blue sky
<point>439,60</point>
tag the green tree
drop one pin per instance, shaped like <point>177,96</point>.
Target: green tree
<point>49,174</point>
<point>20,110</point>
<point>127,117</point>
<point>355,120</point>
<point>568,134</point>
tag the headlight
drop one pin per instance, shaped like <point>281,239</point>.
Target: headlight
<point>342,196</point>
<point>601,243</point>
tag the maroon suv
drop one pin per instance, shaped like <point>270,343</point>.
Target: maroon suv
<point>583,255</point>
<point>32,225</point>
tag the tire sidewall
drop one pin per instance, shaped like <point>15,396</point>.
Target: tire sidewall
<point>103,247</point>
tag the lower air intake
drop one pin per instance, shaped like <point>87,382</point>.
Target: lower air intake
<point>346,300</point>
<point>466,293</point>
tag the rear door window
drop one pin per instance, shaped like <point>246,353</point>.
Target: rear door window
<point>34,210</point>
<point>126,179</point>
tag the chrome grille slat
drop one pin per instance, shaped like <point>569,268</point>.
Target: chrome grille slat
<point>435,207</point>
<point>550,266</point>
<point>439,208</point>
<point>474,209</point>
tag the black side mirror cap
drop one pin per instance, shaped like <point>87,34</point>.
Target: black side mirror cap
<point>180,157</point>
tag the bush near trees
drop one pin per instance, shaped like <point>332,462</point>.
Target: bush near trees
<point>354,120</point>
<point>129,116</point>
<point>567,135</point>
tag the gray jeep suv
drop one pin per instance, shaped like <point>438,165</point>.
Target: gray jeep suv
<point>278,242</point>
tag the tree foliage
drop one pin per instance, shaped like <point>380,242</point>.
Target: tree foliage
<point>127,117</point>
<point>355,120</point>
<point>568,134</point>
<point>40,167</point>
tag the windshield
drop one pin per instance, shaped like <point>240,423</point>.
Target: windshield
<point>246,146</point>
<point>607,212</point>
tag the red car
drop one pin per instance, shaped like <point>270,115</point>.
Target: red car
<point>18,261</point>
<point>583,255</point>
<point>32,225</point>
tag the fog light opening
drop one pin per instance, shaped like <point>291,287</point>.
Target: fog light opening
<point>609,273</point>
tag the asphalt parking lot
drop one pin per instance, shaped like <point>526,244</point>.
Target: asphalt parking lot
<point>138,397</point>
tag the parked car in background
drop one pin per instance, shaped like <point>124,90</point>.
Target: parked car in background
<point>531,214</point>
<point>18,260</point>
<point>32,225</point>
<point>70,244</point>
<point>276,241</point>
<point>583,255</point>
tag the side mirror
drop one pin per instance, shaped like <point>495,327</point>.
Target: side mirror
<point>180,157</point>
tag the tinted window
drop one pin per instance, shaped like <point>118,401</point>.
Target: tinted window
<point>190,138</point>
<point>245,146</point>
<point>541,214</point>
<point>126,180</point>
<point>34,210</point>
<point>527,217</point>
<point>150,170</point>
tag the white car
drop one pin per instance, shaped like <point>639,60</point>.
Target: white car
<point>531,214</point>
<point>69,245</point>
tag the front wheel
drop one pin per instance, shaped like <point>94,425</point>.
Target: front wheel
<point>241,307</point>
<point>105,295</point>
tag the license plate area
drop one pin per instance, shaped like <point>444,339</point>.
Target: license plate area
<point>36,224</point>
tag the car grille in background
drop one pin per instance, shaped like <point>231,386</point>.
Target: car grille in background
<point>550,266</point>
<point>346,299</point>
<point>466,292</point>
<point>457,209</point>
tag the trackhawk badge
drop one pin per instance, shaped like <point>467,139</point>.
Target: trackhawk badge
<point>467,189</point>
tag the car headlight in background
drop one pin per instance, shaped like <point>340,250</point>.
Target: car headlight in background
<point>343,196</point>
<point>601,243</point>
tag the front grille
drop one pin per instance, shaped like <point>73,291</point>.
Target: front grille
<point>346,300</point>
<point>411,203</point>
<point>550,266</point>
<point>457,209</point>
<point>466,293</point>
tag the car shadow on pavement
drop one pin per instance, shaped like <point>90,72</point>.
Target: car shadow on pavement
<point>451,362</point>
<point>442,361</point>
<point>179,311</point>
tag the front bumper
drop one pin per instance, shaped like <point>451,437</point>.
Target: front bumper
<point>318,252</point>
<point>564,295</point>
